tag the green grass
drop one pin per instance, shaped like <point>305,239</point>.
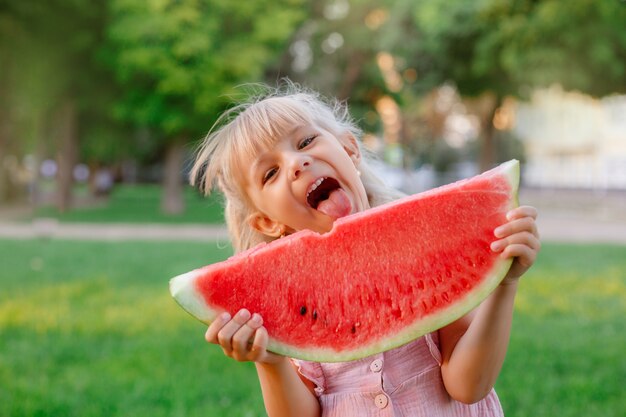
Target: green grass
<point>88,329</point>
<point>139,204</point>
<point>566,356</point>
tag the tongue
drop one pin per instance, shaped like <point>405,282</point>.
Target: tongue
<point>338,205</point>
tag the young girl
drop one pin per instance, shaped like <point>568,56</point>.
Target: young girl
<point>267,157</point>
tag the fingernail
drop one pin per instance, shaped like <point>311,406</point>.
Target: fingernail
<point>256,319</point>
<point>244,314</point>
<point>225,316</point>
<point>496,246</point>
<point>498,231</point>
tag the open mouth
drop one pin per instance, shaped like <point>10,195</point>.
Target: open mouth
<point>320,191</point>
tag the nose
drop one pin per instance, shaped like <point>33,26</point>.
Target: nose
<point>297,164</point>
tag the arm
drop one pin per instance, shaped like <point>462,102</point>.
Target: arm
<point>285,393</point>
<point>244,338</point>
<point>474,347</point>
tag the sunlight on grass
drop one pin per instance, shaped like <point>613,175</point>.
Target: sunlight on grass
<point>88,329</point>
<point>565,355</point>
<point>92,331</point>
<point>91,306</point>
<point>599,296</point>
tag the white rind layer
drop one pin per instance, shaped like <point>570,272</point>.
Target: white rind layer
<point>183,289</point>
<point>426,325</point>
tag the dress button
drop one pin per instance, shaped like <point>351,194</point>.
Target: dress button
<point>381,401</point>
<point>377,365</point>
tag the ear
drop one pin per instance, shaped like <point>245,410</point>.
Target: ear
<point>351,146</point>
<point>265,225</point>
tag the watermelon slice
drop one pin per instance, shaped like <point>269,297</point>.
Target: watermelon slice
<point>379,279</point>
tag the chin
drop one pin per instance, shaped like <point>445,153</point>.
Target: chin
<point>323,226</point>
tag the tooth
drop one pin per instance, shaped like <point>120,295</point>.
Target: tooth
<point>316,184</point>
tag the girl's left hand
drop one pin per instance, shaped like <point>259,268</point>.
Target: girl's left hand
<point>518,239</point>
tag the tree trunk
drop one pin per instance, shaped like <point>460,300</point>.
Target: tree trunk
<point>7,187</point>
<point>5,183</point>
<point>488,150</point>
<point>67,154</point>
<point>172,201</point>
<point>40,124</point>
<point>484,107</point>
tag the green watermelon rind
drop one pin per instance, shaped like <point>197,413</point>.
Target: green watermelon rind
<point>470,301</point>
<point>189,299</point>
<point>423,326</point>
<point>183,291</point>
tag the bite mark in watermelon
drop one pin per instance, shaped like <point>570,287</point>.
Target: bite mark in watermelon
<point>379,279</point>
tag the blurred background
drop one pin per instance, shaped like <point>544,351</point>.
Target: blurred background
<point>102,103</point>
<point>101,93</point>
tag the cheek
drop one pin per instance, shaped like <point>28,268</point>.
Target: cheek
<point>360,193</point>
<point>258,201</point>
<point>275,202</point>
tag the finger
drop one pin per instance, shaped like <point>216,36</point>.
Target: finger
<point>522,238</point>
<point>225,335</point>
<point>525,255</point>
<point>242,339</point>
<point>522,211</point>
<point>259,352</point>
<point>524,224</point>
<point>215,327</point>
<point>259,344</point>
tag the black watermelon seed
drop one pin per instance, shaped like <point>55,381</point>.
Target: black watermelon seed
<point>302,310</point>
<point>314,314</point>
<point>353,329</point>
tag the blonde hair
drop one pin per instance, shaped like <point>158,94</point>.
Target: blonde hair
<point>255,125</point>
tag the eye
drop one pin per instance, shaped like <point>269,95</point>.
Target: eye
<point>269,174</point>
<point>306,141</point>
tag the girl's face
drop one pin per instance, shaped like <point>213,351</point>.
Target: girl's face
<point>307,180</point>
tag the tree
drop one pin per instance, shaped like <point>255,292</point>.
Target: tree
<point>52,74</point>
<point>361,51</point>
<point>179,61</point>
<point>494,48</point>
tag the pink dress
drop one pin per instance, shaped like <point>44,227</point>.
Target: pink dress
<point>402,382</point>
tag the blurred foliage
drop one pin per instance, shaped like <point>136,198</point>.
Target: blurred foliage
<point>511,46</point>
<point>178,61</point>
<point>138,75</point>
<point>43,45</point>
<point>167,66</point>
<point>488,49</point>
<point>493,48</point>
<point>346,40</point>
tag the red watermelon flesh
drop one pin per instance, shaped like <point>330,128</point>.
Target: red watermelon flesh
<point>379,279</point>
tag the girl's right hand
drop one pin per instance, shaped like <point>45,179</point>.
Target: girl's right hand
<point>242,337</point>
